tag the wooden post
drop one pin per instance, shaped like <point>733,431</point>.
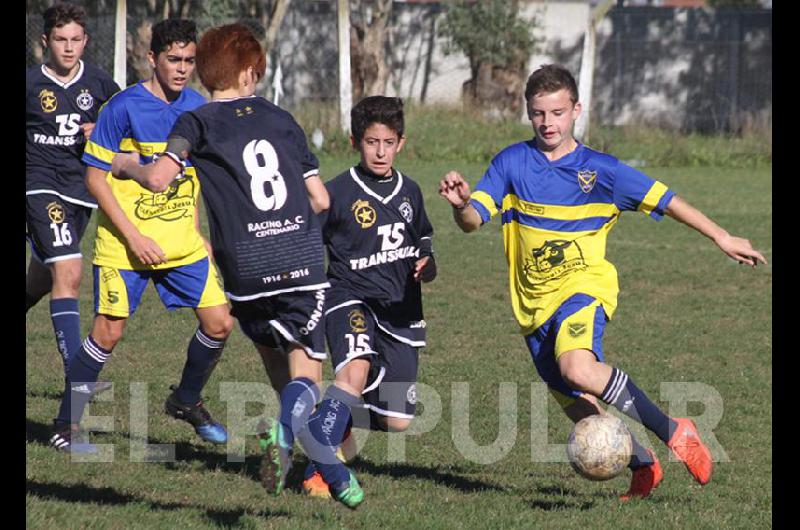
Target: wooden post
<point>120,38</point>
<point>345,84</point>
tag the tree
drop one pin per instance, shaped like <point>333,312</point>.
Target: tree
<point>497,43</point>
<point>369,29</point>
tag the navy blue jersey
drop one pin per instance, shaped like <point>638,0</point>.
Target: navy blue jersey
<point>252,160</point>
<point>373,243</point>
<point>54,112</point>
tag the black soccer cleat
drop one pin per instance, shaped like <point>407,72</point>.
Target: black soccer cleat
<point>197,416</point>
<point>69,438</point>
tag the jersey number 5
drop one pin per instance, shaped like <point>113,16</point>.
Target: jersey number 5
<point>261,162</point>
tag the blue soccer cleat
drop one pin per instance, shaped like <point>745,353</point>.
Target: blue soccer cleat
<point>196,415</point>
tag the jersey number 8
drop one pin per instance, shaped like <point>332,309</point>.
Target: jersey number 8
<point>261,162</point>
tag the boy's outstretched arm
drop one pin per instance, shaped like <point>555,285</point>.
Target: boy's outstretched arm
<point>736,248</point>
<point>455,190</point>
<point>317,194</point>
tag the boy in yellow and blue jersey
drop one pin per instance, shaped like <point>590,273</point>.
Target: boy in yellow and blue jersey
<point>143,236</point>
<point>558,200</point>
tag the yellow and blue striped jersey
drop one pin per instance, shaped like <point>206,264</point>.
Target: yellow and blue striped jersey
<point>136,120</point>
<point>556,217</point>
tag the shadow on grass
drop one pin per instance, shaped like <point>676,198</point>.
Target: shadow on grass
<point>404,470</point>
<point>109,496</point>
<point>45,393</point>
<point>185,453</point>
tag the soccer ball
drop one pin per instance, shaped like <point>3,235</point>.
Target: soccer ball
<point>599,447</point>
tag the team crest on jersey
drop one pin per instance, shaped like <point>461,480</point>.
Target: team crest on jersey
<point>411,394</point>
<point>406,210</point>
<point>85,100</point>
<point>48,101</point>
<point>55,212</point>
<point>358,322</point>
<point>174,203</point>
<point>586,179</point>
<point>554,259</point>
<point>364,213</point>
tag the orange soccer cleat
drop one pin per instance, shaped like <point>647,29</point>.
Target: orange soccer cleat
<point>686,445</point>
<point>644,480</point>
<point>314,486</point>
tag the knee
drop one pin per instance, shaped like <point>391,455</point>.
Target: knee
<point>107,332</point>
<point>577,374</point>
<point>219,327</point>
<point>66,276</point>
<point>394,424</point>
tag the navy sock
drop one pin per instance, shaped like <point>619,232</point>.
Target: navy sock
<point>67,326</point>
<point>84,367</point>
<point>201,357</point>
<point>639,455</point>
<point>326,429</point>
<point>625,396</point>
<point>298,399</point>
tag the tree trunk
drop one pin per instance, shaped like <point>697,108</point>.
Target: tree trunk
<point>369,73</point>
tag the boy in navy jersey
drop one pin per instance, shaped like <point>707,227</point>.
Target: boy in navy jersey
<point>262,190</point>
<point>62,99</point>
<point>379,250</point>
<point>558,201</point>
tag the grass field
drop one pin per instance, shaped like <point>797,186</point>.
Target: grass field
<point>687,314</point>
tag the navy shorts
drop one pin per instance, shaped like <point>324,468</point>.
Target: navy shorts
<point>55,227</point>
<point>391,384</point>
<point>283,319</point>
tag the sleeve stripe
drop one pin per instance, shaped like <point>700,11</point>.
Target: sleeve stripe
<point>312,173</point>
<point>651,200</point>
<point>485,200</point>
<point>99,152</point>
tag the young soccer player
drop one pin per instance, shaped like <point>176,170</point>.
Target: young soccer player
<point>144,236</point>
<point>62,98</point>
<point>379,250</point>
<point>558,200</point>
<point>262,191</point>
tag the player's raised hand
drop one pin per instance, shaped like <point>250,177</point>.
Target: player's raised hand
<point>121,161</point>
<point>146,250</point>
<point>454,189</point>
<point>425,269</point>
<point>740,250</point>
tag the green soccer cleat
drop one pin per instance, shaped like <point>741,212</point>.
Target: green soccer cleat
<point>277,459</point>
<point>348,493</point>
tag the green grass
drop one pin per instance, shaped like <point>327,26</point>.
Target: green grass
<point>686,314</point>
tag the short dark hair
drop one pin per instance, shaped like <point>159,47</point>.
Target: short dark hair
<point>62,14</point>
<point>224,52</point>
<point>548,79</point>
<point>172,30</point>
<point>377,109</point>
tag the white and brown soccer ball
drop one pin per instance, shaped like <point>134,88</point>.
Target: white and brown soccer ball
<point>599,447</point>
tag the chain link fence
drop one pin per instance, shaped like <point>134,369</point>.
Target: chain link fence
<point>689,69</point>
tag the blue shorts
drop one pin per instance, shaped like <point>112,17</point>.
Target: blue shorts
<point>390,388</point>
<point>578,323</point>
<point>118,292</point>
